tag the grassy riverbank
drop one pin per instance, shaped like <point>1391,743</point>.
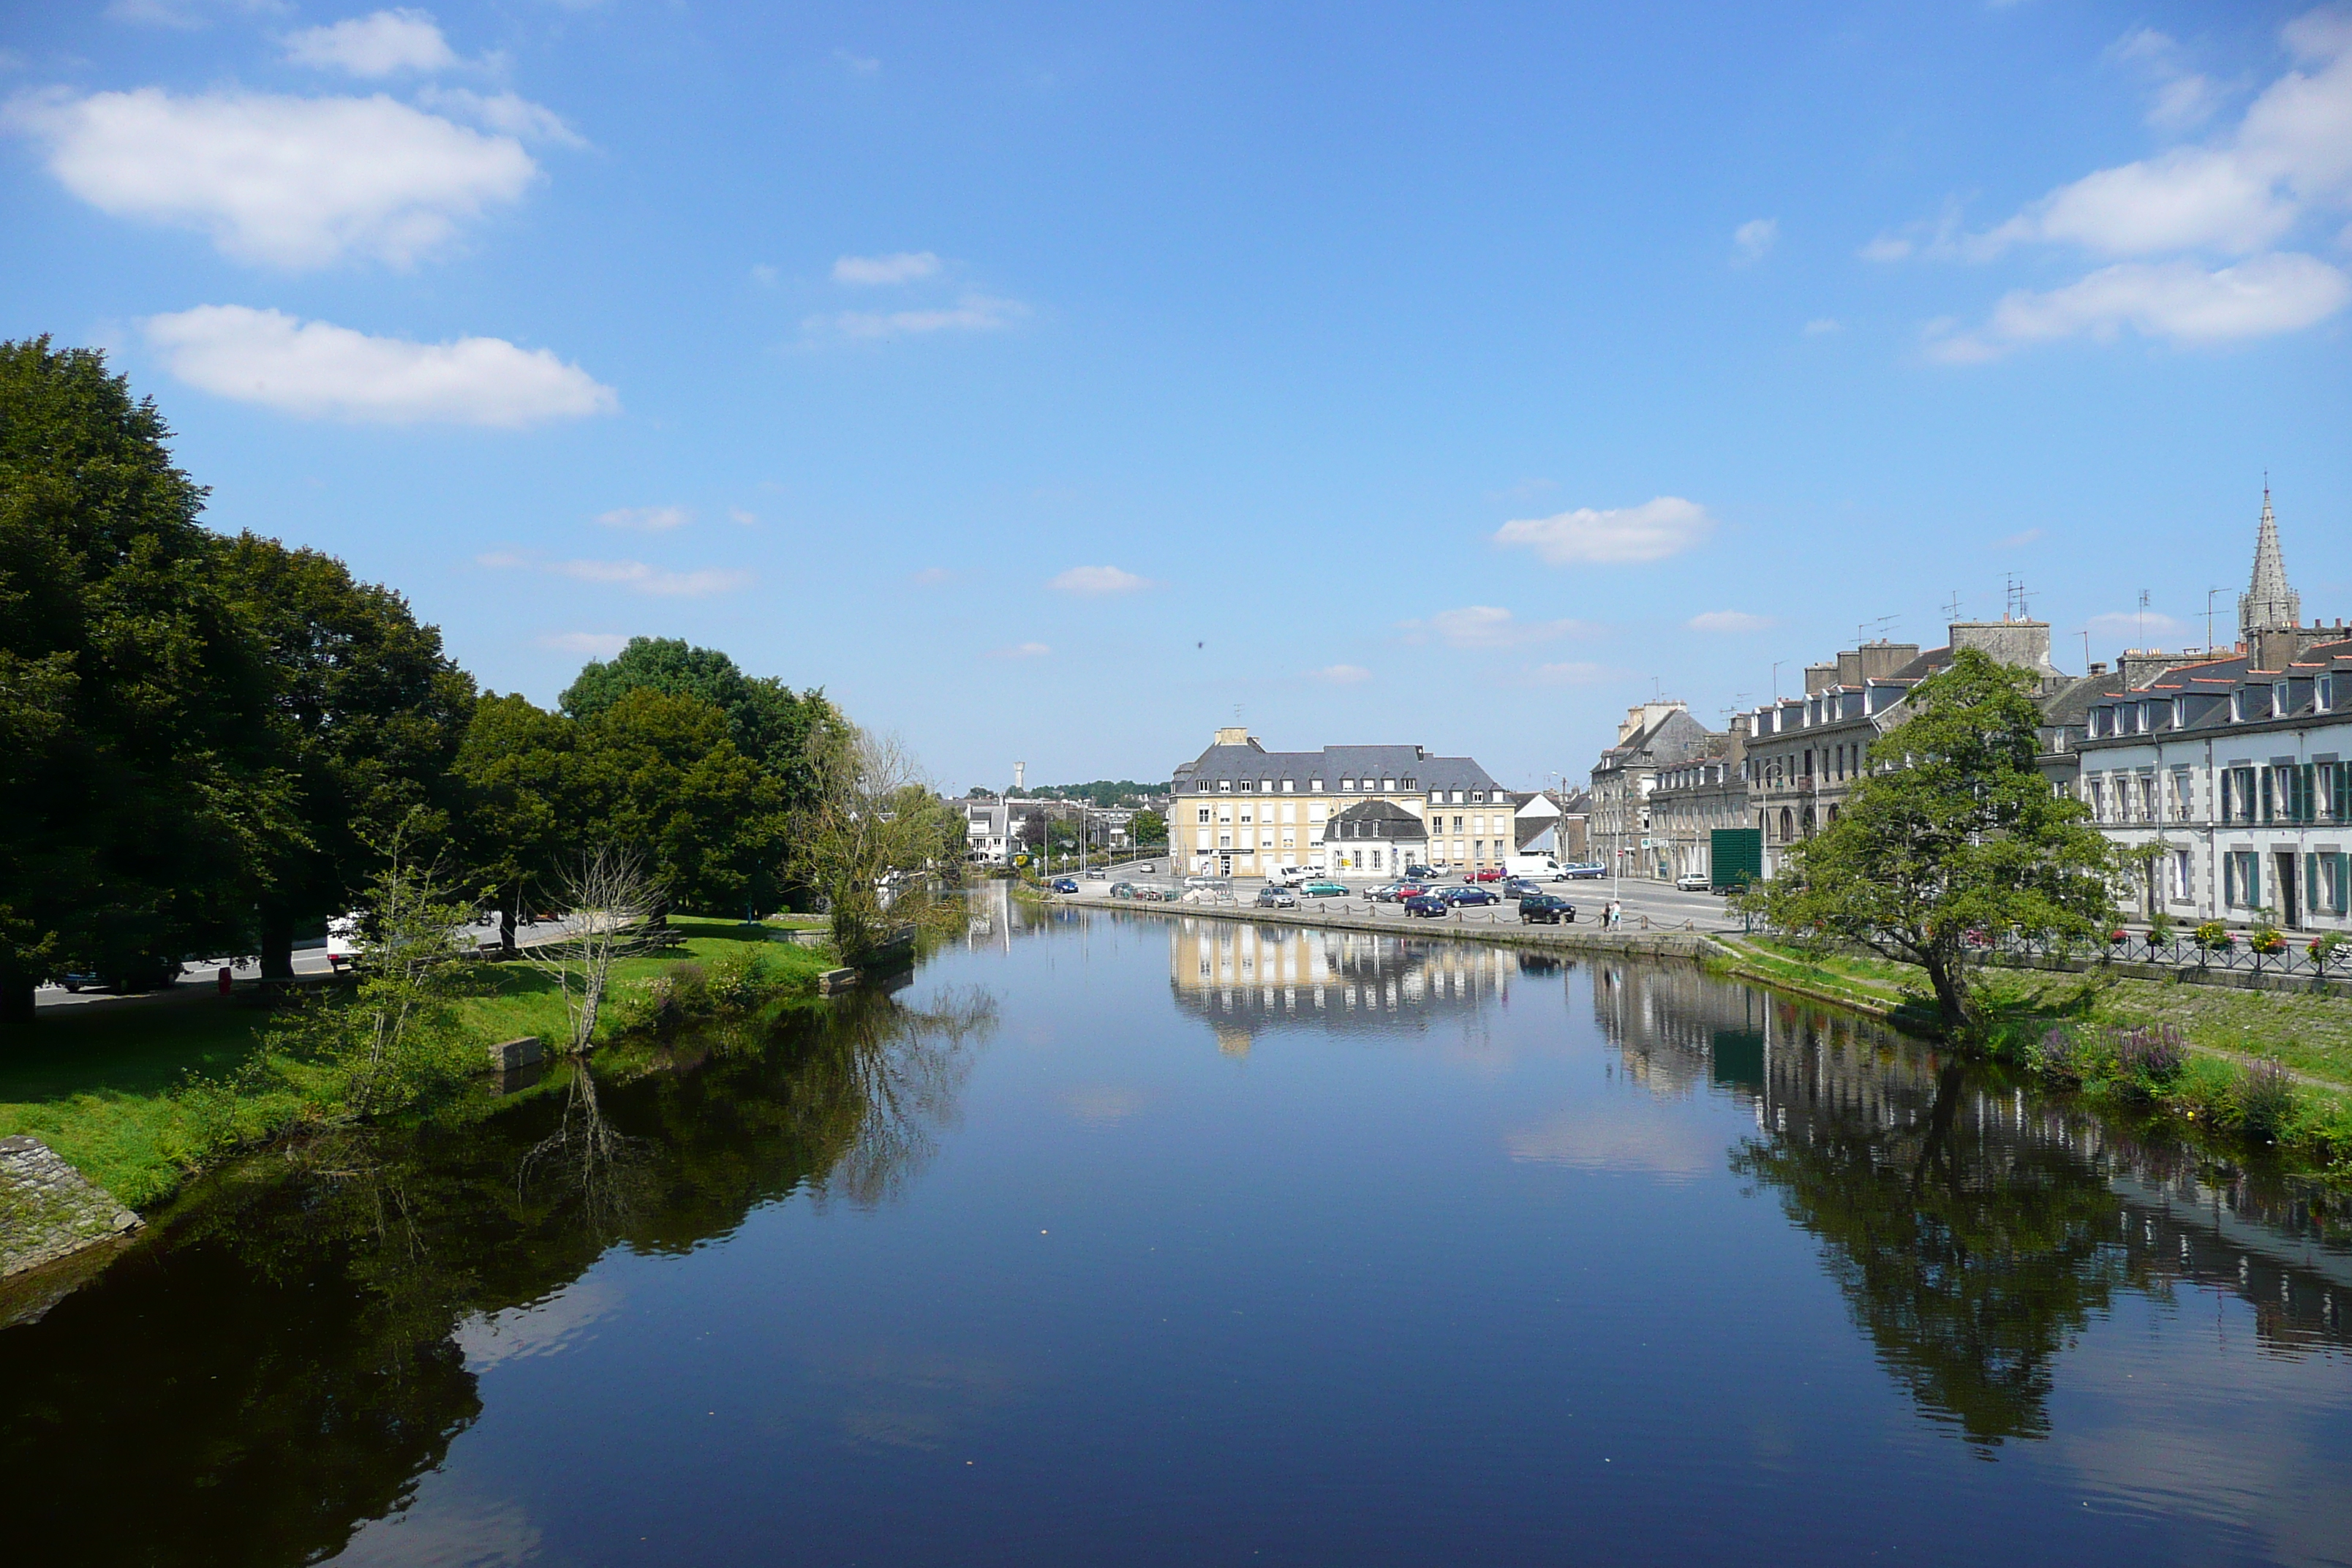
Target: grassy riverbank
<point>2263,1066</point>
<point>136,1094</point>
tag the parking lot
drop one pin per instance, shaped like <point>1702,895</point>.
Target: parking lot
<point>1649,906</point>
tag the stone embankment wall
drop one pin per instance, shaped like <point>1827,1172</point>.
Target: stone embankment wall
<point>47,1211</point>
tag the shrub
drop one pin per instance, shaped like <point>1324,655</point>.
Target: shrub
<point>2059,1054</point>
<point>2262,1102</point>
<point>739,980</point>
<point>2152,1056</point>
<point>2214,937</point>
<point>2159,930</point>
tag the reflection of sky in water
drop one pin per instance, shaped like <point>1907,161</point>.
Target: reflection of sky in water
<point>1507,1261</point>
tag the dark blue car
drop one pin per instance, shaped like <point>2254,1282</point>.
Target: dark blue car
<point>1066,884</point>
<point>1469,896</point>
<point>1429,906</point>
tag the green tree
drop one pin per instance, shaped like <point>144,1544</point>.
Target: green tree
<point>369,712</point>
<point>1148,827</point>
<point>787,733</point>
<point>659,776</point>
<point>515,771</point>
<point>1953,832</point>
<point>139,764</point>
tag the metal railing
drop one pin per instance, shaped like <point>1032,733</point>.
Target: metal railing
<point>2235,952</point>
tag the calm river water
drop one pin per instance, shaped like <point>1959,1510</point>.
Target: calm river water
<point>1120,1240</point>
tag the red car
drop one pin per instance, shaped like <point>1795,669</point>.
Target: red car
<point>1489,874</point>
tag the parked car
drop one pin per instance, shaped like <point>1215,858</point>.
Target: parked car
<point>1147,869</point>
<point>1429,906</point>
<point>1066,884</point>
<point>1394,892</point>
<point>1693,882</point>
<point>78,981</point>
<point>1205,881</point>
<point>1547,908</point>
<point>1420,874</point>
<point>1122,889</point>
<point>1321,888</point>
<point>1583,871</point>
<point>1097,873</point>
<point>1520,888</point>
<point>1469,894</point>
<point>1271,897</point>
<point>1487,874</point>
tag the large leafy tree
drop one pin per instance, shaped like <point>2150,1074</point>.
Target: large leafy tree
<point>795,736</point>
<point>516,774</point>
<point>1953,836</point>
<point>140,768</point>
<point>368,713</point>
<point>659,775</point>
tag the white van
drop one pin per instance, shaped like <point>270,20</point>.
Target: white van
<point>1286,875</point>
<point>1538,868</point>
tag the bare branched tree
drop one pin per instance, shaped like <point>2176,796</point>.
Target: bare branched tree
<point>588,1158</point>
<point>608,900</point>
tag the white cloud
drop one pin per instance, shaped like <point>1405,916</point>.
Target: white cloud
<point>374,46</point>
<point>855,65</point>
<point>1820,326</point>
<point>1658,527</point>
<point>1573,674</point>
<point>2177,301</point>
<point>929,576</point>
<point>1022,650</point>
<point>289,182</point>
<point>155,14</point>
<point>595,644</point>
<point>2183,98</point>
<point>508,113</point>
<point>2017,541</point>
<point>764,275</point>
<point>647,519</point>
<point>1728,621</point>
<point>317,369</point>
<point>972,313</point>
<point>646,579</point>
<point>2291,152</point>
<point>1754,240</point>
<point>737,515</point>
<point>2135,623</point>
<point>1488,626</point>
<point>899,267</point>
<point>1888,248</point>
<point>1098,580</point>
<point>1341,675</point>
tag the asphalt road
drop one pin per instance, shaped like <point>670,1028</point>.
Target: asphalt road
<point>1656,903</point>
<point>202,978</point>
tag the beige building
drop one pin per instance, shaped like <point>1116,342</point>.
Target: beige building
<point>1242,811</point>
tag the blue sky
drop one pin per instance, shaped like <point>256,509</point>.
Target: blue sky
<point>1051,381</point>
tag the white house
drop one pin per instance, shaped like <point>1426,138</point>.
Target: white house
<point>2233,782</point>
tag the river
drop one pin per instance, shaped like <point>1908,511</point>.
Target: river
<point>1136,1239</point>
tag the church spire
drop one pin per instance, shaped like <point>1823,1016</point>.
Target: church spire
<point>2268,603</point>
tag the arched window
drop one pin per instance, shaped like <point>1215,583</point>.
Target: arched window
<point>1788,825</point>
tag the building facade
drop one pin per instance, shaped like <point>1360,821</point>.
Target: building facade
<point>1373,836</point>
<point>1654,736</point>
<point>1241,810</point>
<point>2229,785</point>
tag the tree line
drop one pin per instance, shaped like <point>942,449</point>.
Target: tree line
<point>209,740</point>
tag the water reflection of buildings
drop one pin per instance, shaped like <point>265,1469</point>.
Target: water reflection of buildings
<point>1239,976</point>
<point>1976,1225</point>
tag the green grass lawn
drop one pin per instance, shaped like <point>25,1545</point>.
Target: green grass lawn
<point>99,1083</point>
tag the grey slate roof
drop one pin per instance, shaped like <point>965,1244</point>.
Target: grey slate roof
<point>2221,677</point>
<point>1373,819</point>
<point>1331,764</point>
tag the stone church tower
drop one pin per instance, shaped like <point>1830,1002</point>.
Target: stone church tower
<point>2268,604</point>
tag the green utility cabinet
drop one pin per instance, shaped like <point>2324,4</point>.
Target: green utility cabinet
<point>1735,858</point>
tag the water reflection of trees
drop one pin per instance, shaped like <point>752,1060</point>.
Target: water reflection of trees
<point>280,1363</point>
<point>1974,1224</point>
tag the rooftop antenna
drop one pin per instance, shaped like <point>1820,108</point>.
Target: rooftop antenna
<point>2143,617</point>
<point>2209,618</point>
<point>1952,609</point>
<point>1776,678</point>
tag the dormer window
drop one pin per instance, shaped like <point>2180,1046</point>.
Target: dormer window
<point>2278,701</point>
<point>1346,784</point>
<point>1387,786</point>
<point>1289,785</point>
<point>1265,786</point>
<point>2180,712</point>
<point>1315,786</point>
<point>1227,785</point>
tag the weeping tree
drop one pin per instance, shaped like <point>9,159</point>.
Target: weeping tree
<point>1952,840</point>
<point>873,816</point>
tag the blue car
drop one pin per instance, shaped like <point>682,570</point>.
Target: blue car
<point>1468,896</point>
<point>1429,906</point>
<point>1066,884</point>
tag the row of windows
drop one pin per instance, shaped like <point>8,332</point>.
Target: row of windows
<point>2247,705</point>
<point>1355,786</point>
<point>2248,884</point>
<point>2280,793</point>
